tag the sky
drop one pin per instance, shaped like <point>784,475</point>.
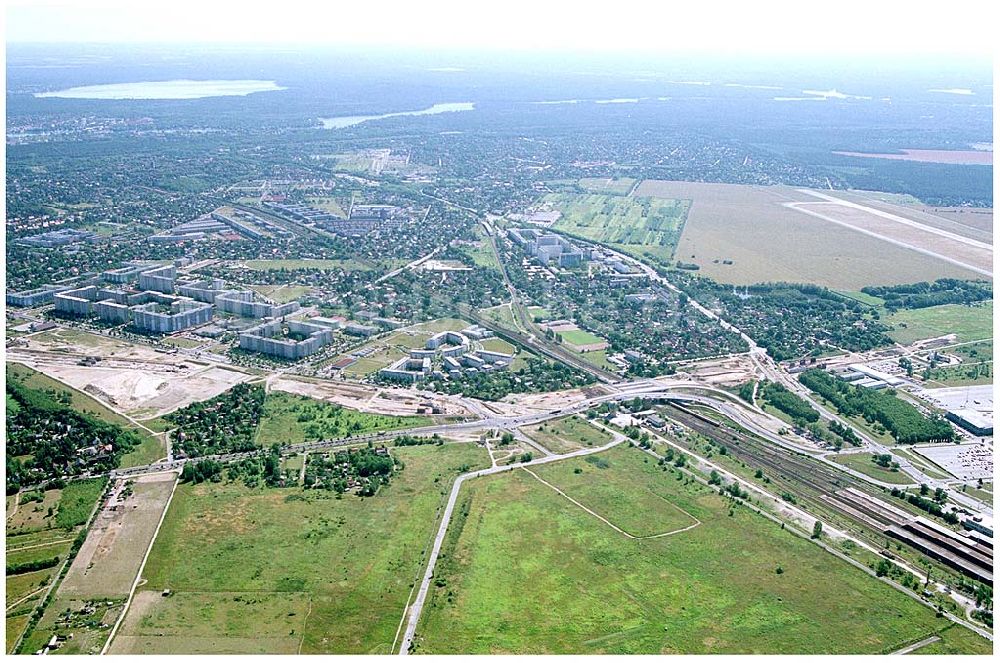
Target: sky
<point>963,28</point>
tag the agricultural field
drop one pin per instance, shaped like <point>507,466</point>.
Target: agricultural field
<point>293,419</point>
<point>635,225</point>
<point>618,186</point>
<point>862,462</point>
<point>567,434</point>
<point>738,223</point>
<point>968,323</point>
<point>287,570</point>
<point>526,570</point>
<point>42,531</point>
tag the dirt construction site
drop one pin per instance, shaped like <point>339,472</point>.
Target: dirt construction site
<point>131,378</point>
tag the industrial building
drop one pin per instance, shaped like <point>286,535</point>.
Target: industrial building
<point>61,237</point>
<point>288,340</point>
<point>975,421</point>
<point>962,554</point>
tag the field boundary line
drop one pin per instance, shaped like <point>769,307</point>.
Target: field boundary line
<point>591,512</point>
<point>23,599</point>
<point>305,622</point>
<point>39,545</point>
<point>142,567</point>
<point>915,646</point>
<point>615,527</point>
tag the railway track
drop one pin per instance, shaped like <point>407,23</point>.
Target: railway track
<point>790,469</point>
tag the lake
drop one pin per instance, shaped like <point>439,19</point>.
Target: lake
<point>176,89</point>
<point>351,120</point>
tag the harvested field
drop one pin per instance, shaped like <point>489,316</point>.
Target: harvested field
<point>740,223</point>
<point>957,157</point>
<point>109,559</point>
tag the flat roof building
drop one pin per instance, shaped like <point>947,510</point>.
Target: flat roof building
<point>288,340</point>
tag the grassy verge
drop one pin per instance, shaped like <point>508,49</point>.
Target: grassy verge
<point>307,571</point>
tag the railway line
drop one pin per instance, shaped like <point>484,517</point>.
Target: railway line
<point>824,487</point>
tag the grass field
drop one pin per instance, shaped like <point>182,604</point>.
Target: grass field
<point>567,434</point>
<point>341,570</point>
<point>931,469</point>
<point>636,225</point>
<point>328,204</point>
<point>502,315</point>
<point>527,571</point>
<point>182,342</point>
<point>739,223</point>
<point>77,501</point>
<point>640,508</point>
<point>292,419</point>
<point>580,337</point>
<point>42,531</point>
<point>968,323</point>
<point>537,313</point>
<point>862,462</point>
<point>149,451</point>
<point>494,344</point>
<point>612,185</point>
<point>956,640</point>
<point>150,447</point>
<point>281,293</point>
